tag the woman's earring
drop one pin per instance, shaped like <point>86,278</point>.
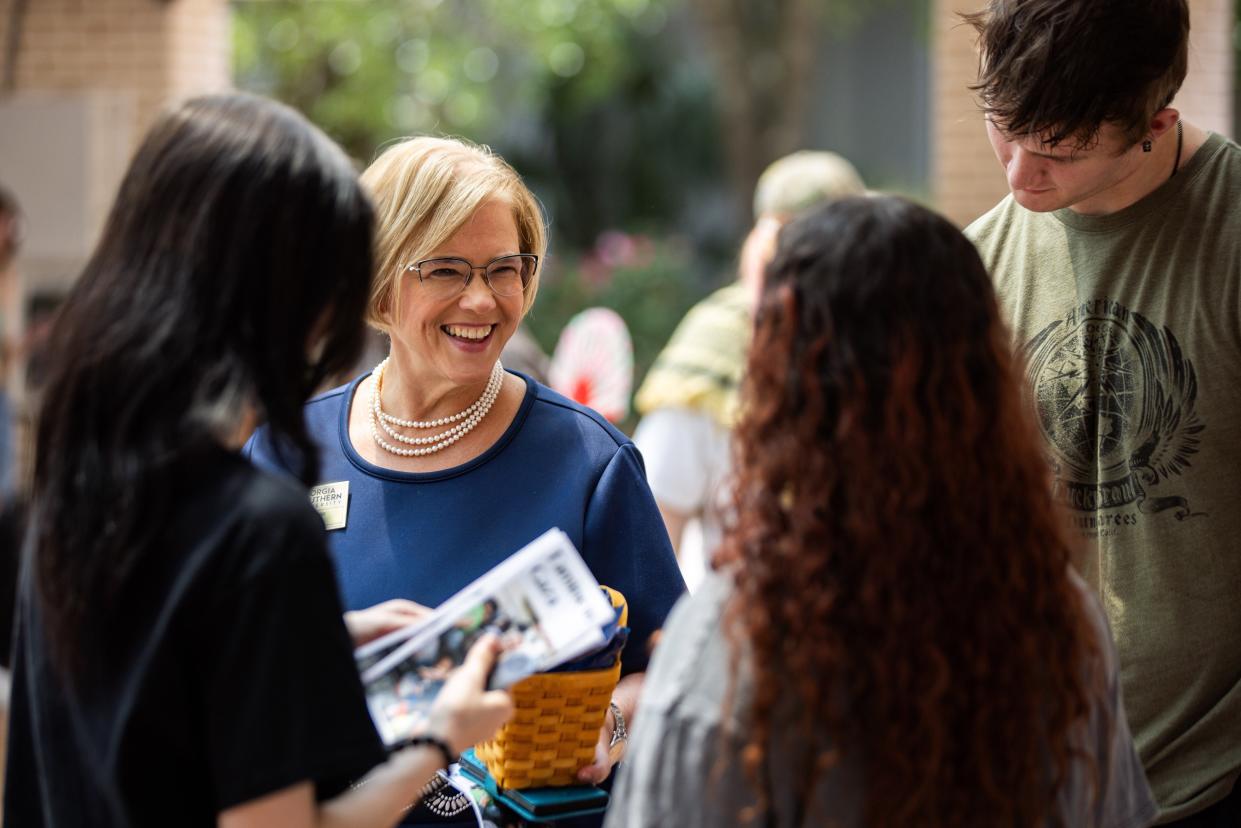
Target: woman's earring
<point>1146,145</point>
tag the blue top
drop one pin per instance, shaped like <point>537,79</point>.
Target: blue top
<point>424,536</point>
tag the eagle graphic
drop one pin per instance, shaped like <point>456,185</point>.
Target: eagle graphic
<point>1169,421</point>
<point>1161,426</point>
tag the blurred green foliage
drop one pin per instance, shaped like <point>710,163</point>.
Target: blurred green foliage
<point>589,99</point>
<point>371,71</point>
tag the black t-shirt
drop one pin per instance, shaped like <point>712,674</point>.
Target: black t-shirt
<point>228,674</point>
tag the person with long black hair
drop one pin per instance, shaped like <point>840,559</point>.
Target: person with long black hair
<point>181,656</point>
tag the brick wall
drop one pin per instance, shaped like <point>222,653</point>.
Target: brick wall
<point>1206,99</point>
<point>965,177</point>
<point>91,76</point>
<point>199,53</point>
<point>966,180</point>
<point>156,51</point>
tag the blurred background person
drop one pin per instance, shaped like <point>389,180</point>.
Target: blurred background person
<point>10,242</point>
<point>181,656</point>
<point>904,641</point>
<point>453,463</point>
<point>12,505</point>
<point>688,400</point>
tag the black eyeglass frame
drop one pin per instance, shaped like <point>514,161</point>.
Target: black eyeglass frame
<point>416,267</point>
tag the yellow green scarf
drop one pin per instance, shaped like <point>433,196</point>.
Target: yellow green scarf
<point>701,366</point>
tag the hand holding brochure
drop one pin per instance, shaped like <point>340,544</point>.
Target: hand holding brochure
<point>542,602</point>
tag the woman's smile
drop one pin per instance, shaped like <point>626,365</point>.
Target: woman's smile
<point>470,338</point>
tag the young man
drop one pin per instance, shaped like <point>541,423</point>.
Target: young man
<point>1117,259</point>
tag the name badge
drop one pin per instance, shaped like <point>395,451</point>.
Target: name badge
<point>331,501</point>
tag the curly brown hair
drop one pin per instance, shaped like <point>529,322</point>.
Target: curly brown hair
<point>902,572</point>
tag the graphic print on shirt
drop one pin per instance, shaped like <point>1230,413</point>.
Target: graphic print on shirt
<point>1116,402</point>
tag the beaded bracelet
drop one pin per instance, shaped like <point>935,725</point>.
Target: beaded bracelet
<point>433,742</point>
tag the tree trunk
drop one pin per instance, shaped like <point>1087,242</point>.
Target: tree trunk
<point>764,59</point>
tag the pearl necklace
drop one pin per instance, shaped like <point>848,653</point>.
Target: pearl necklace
<point>465,420</point>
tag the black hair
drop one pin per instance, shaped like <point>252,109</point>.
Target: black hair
<point>239,243</point>
<point>1059,69</point>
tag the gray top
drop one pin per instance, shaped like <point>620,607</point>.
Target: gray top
<point>668,776</point>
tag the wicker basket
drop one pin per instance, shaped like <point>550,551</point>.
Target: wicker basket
<point>555,726</point>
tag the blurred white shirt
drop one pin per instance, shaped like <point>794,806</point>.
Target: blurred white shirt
<point>687,466</point>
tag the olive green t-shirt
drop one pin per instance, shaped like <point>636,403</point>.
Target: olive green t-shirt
<point>1130,326</point>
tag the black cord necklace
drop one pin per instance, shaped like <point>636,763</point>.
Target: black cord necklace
<point>1180,140</point>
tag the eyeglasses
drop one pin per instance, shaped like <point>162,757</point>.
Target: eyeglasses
<point>505,275</point>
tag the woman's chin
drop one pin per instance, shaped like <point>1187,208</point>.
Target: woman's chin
<point>471,347</point>
<point>469,366</point>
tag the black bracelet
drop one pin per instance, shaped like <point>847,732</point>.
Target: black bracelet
<point>434,742</point>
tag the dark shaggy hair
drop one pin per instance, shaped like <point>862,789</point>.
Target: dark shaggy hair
<point>239,238</point>
<point>1059,69</point>
<point>902,573</point>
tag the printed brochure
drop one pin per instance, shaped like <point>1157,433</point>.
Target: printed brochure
<point>542,602</point>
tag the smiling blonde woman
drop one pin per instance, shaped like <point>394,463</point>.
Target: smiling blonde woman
<point>451,462</point>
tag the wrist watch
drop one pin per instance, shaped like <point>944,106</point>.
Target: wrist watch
<point>620,734</point>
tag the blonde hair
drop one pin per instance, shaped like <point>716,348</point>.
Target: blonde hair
<point>803,179</point>
<point>424,189</point>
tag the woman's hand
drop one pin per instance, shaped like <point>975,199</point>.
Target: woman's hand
<point>598,770</point>
<point>625,696</point>
<point>465,712</point>
<point>371,623</point>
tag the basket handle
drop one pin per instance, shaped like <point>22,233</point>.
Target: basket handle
<point>618,600</point>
